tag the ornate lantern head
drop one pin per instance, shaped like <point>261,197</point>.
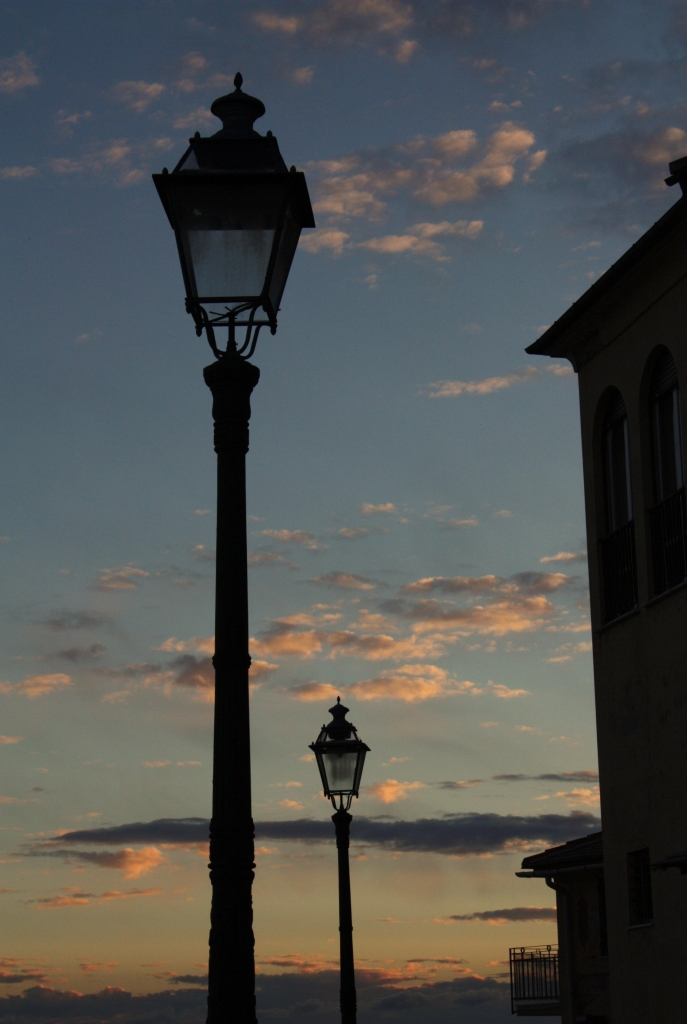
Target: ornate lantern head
<point>340,755</point>
<point>237,214</point>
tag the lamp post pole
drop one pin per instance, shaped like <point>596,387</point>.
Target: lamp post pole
<point>347,994</point>
<point>340,756</point>
<point>237,214</point>
<point>231,980</point>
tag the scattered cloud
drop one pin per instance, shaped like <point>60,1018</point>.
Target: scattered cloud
<point>577,797</point>
<point>77,655</point>
<point>269,559</point>
<point>303,76</point>
<point>67,121</point>
<point>132,863</point>
<point>530,583</point>
<point>497,618</point>
<point>453,388</point>
<point>260,670</point>
<point>565,556</point>
<point>503,692</point>
<point>291,805</point>
<point>300,537</point>
<point>463,784</point>
<point>204,644</point>
<point>578,776</point>
<point>566,652</point>
<point>391,791</point>
<point>201,117</point>
<point>313,691</point>
<point>387,509</point>
<point>17,73</point>
<point>64,621</point>
<point>420,239</point>
<point>276,23</point>
<point>121,579</point>
<point>329,240</point>
<point>38,686</point>
<point>10,740</point>
<point>138,95</point>
<point>70,897</point>
<point>345,581</point>
<point>410,683</point>
<point>202,554</point>
<point>19,173</point>
<point>352,532</point>
<point>499,917</point>
<point>124,162</point>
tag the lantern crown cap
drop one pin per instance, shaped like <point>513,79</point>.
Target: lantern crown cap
<point>237,111</point>
<point>339,728</point>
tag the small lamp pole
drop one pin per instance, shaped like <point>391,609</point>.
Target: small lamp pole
<point>237,214</point>
<point>340,757</point>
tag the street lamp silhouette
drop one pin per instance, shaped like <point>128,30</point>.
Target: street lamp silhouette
<point>237,214</point>
<point>340,755</point>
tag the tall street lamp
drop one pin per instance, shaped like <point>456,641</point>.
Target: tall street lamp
<point>237,214</point>
<point>340,755</point>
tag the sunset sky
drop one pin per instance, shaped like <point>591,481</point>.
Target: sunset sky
<point>416,522</point>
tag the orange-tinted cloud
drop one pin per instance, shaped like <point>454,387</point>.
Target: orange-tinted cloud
<point>121,579</point>
<point>410,683</point>
<point>74,898</point>
<point>38,686</point>
<point>132,863</point>
<point>390,791</point>
<point>513,615</point>
<point>308,692</point>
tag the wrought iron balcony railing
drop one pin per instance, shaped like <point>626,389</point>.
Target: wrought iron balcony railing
<point>619,572</point>
<point>533,977</point>
<point>668,541</point>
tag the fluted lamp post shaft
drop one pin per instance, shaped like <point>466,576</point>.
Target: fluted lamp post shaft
<point>237,214</point>
<point>340,755</point>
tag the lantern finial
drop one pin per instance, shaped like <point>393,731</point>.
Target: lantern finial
<point>237,111</point>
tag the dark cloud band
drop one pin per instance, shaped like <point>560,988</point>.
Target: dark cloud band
<point>454,834</point>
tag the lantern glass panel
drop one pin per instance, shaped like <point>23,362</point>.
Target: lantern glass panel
<point>227,227</point>
<point>230,262</point>
<point>340,765</point>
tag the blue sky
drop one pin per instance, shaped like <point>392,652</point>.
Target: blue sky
<point>415,495</point>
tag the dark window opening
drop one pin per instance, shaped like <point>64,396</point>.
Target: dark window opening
<point>667,517</point>
<point>639,887</point>
<point>618,545</point>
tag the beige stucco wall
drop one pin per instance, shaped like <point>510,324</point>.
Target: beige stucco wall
<point>640,662</point>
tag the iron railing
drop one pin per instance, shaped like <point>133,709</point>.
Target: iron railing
<point>533,976</point>
<point>619,572</point>
<point>668,541</point>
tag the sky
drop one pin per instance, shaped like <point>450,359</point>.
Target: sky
<point>416,521</point>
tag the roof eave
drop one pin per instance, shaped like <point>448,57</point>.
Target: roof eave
<point>555,341</point>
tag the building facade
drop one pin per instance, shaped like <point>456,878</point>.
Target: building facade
<point>626,338</point>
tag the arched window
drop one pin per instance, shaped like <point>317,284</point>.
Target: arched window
<point>668,513</point>
<point>618,544</point>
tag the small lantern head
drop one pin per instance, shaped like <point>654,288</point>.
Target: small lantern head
<point>340,755</point>
<point>237,214</point>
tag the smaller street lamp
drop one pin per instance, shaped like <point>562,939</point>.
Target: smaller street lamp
<point>340,755</point>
